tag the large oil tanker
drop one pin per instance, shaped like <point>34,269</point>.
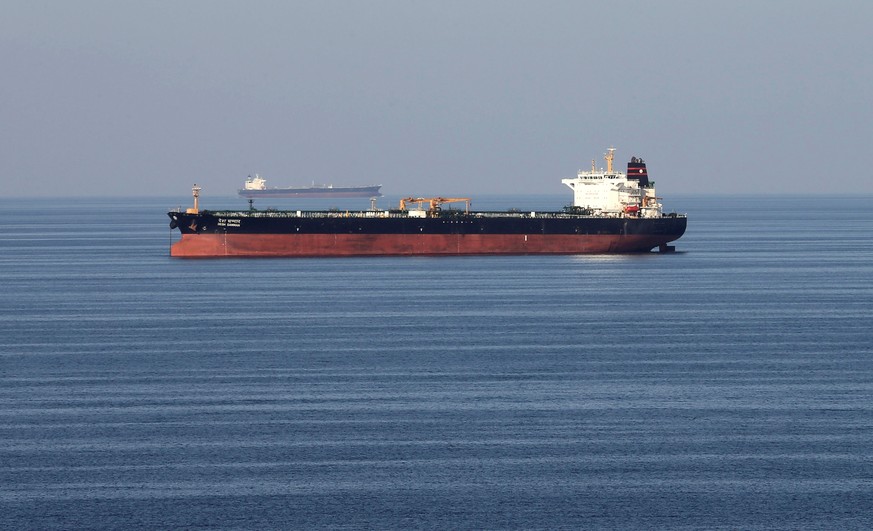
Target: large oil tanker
<point>256,186</point>
<point>612,212</point>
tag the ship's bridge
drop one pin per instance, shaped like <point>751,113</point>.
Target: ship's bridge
<point>255,183</point>
<point>612,193</point>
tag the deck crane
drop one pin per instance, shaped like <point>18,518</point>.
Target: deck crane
<point>434,203</point>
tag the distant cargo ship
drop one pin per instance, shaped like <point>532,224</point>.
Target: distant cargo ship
<point>612,212</point>
<point>257,187</point>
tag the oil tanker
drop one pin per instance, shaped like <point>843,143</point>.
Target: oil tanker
<point>256,186</point>
<point>612,212</point>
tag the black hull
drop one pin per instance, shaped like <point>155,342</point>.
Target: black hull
<point>318,234</point>
<point>266,222</point>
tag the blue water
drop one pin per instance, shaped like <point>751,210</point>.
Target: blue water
<point>728,385</point>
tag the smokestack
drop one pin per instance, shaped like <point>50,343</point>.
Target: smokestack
<point>636,170</point>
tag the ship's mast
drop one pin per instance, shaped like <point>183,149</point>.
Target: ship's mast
<point>609,157</point>
<point>195,191</point>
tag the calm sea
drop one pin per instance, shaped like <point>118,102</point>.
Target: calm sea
<point>728,385</point>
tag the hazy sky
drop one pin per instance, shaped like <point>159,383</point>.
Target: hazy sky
<point>433,97</point>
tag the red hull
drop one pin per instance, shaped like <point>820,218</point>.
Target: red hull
<point>311,245</point>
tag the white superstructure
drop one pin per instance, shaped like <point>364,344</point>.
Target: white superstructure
<point>613,193</point>
<point>255,183</point>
